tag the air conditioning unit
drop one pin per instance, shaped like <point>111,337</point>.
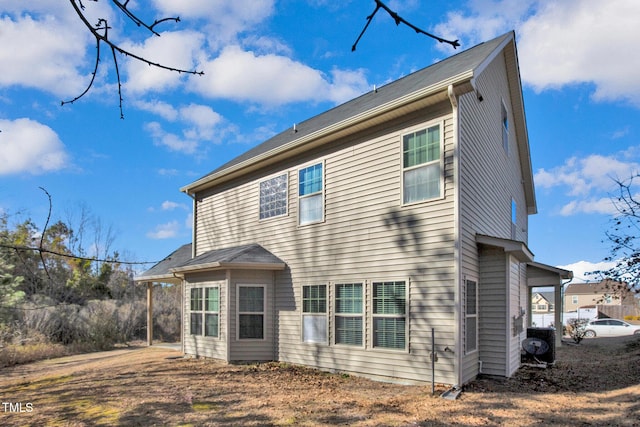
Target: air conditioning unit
<point>540,344</point>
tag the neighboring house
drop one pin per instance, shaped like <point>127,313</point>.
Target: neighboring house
<point>542,302</point>
<point>603,295</point>
<point>345,241</point>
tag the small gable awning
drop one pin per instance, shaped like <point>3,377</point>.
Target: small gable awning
<point>513,247</point>
<point>246,257</point>
<point>161,272</point>
<point>541,275</point>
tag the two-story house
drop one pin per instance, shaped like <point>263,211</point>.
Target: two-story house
<point>612,299</point>
<point>378,236</point>
<point>542,302</point>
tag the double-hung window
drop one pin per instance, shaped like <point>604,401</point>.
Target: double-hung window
<point>204,310</point>
<point>310,194</point>
<point>314,313</point>
<point>349,314</point>
<point>422,166</point>
<point>273,197</point>
<point>251,311</point>
<point>471,316</point>
<point>390,315</point>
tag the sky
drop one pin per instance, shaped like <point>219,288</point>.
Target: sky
<point>269,64</point>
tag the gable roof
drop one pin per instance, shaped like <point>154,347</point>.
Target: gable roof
<point>246,257</point>
<point>180,261</point>
<point>410,93</point>
<point>162,270</point>
<point>604,287</point>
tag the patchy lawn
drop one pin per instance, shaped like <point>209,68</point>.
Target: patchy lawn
<point>594,384</point>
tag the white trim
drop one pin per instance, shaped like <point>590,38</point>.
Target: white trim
<point>263,312</point>
<point>321,193</point>
<point>268,178</point>
<point>362,315</point>
<point>325,314</point>
<point>407,310</point>
<point>423,126</point>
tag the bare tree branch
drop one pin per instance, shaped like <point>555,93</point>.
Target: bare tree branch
<point>101,34</point>
<point>399,20</point>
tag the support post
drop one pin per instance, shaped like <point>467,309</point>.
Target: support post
<point>149,313</point>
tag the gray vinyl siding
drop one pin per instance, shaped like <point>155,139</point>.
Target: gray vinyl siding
<point>367,235</point>
<point>214,347</point>
<point>489,179</point>
<point>492,312</point>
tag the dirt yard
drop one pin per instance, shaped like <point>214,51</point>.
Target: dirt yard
<point>594,384</point>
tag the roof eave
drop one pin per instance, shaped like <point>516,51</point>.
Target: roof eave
<point>326,132</point>
<point>213,266</point>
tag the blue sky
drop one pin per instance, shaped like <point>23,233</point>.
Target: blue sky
<point>269,64</point>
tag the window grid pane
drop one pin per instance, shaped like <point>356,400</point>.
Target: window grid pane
<point>314,299</point>
<point>250,326</point>
<point>196,324</point>
<point>310,180</point>
<point>349,298</point>
<point>389,332</point>
<point>251,299</point>
<point>211,325</point>
<point>196,299</point>
<point>273,197</point>
<point>421,163</point>
<point>212,299</point>
<point>389,298</point>
<point>349,330</point>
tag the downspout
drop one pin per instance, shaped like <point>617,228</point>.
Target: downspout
<point>193,223</point>
<point>453,98</point>
<point>182,291</point>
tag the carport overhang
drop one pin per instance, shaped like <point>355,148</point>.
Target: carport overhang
<point>538,275</point>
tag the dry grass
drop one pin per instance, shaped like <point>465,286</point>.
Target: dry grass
<point>593,384</point>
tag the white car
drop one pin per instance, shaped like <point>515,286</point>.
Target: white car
<point>609,328</point>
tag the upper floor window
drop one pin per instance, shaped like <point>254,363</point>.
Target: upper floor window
<point>574,299</point>
<point>505,129</point>
<point>422,165</point>
<point>310,194</point>
<point>273,197</point>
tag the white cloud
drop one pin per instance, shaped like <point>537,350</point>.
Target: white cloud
<point>177,49</point>
<point>274,80</point>
<point>562,42</point>
<point>582,268</point>
<point>27,146</point>
<point>44,46</point>
<point>201,123</point>
<point>169,205</point>
<point>588,182</point>
<point>165,231</point>
<point>225,19</point>
<point>170,140</point>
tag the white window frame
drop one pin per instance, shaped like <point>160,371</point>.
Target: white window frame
<point>467,315</point>
<point>441,184</point>
<point>406,316</point>
<point>203,310</point>
<point>286,196</point>
<point>320,193</point>
<point>263,312</point>
<point>316,316</point>
<point>574,299</point>
<point>361,315</point>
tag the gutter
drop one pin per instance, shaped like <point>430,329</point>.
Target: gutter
<point>413,97</point>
